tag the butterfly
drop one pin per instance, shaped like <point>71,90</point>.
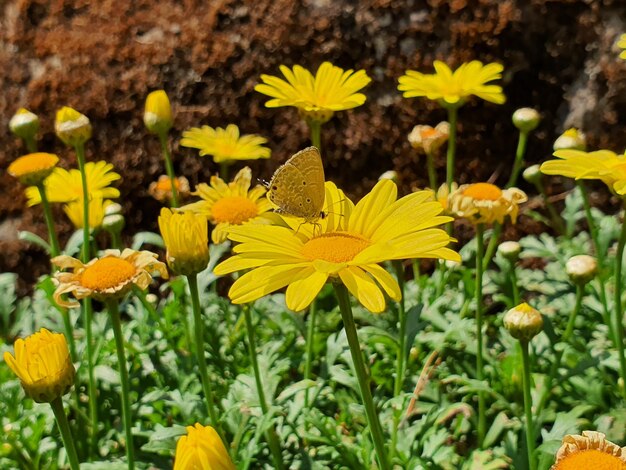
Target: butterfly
<point>297,187</point>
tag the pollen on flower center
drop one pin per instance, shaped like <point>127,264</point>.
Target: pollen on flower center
<point>591,458</point>
<point>107,273</point>
<point>165,184</point>
<point>234,210</point>
<point>483,191</point>
<point>338,247</point>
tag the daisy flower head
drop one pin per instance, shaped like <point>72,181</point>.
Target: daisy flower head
<point>622,45</point>
<point>316,97</point>
<point>452,89</point>
<point>34,168</point>
<point>225,145</point>
<point>110,276</point>
<point>186,238</point>
<point>485,203</point>
<point>97,212</point>
<point>589,450</point>
<point>161,190</point>
<point>201,448</point>
<point>66,186</point>
<point>230,204</point>
<point>348,246</point>
<point>429,138</point>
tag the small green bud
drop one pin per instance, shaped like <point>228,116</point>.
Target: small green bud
<point>389,175</point>
<point>72,127</point>
<point>24,124</point>
<point>526,119</point>
<point>510,250</point>
<point>581,269</point>
<point>158,113</point>
<point>523,322</point>
<point>571,139</point>
<point>113,208</point>
<point>113,223</point>
<point>532,174</point>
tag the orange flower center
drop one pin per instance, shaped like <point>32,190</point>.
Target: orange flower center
<point>483,191</point>
<point>165,184</point>
<point>234,210</point>
<point>32,163</point>
<point>591,459</point>
<point>107,273</point>
<point>338,247</point>
<point>429,132</point>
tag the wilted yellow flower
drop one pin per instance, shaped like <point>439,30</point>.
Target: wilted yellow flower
<point>317,98</point>
<point>24,124</point>
<point>186,238</point>
<point>72,127</point>
<point>225,145</point>
<point>622,45</point>
<point>429,138</point>
<point>348,246</point>
<point>97,207</point>
<point>201,449</point>
<point>589,451</point>
<point>67,186</point>
<point>161,190</point>
<point>226,205</point>
<point>158,113</point>
<point>523,322</point>
<point>43,364</point>
<point>33,168</point>
<point>110,276</point>
<point>454,88</point>
<point>571,139</point>
<point>484,203</point>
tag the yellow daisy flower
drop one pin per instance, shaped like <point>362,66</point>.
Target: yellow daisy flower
<point>227,205</point>
<point>201,448</point>
<point>622,45</point>
<point>454,88</point>
<point>110,276</point>
<point>97,206</point>
<point>347,246</point>
<point>485,203</point>
<point>42,363</point>
<point>442,196</point>
<point>225,145</point>
<point>591,450</point>
<point>317,98</point>
<point>186,238</point>
<point>66,186</point>
<point>161,190</point>
<point>33,168</point>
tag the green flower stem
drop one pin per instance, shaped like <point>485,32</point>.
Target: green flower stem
<point>618,307</point>
<point>514,286</point>
<point>47,213</point>
<point>530,439</point>
<point>116,240</point>
<point>169,168</point>
<point>31,144</point>
<point>450,156</point>
<point>364,380</point>
<point>432,174</point>
<point>92,391</point>
<point>224,169</point>
<point>310,339</point>
<point>557,221</point>
<point>121,359</point>
<point>80,156</point>
<point>400,356</point>
<point>66,434</point>
<point>569,329</point>
<point>192,279</point>
<point>271,436</point>
<point>316,134</point>
<point>496,231</point>
<point>480,373</point>
<point>519,158</point>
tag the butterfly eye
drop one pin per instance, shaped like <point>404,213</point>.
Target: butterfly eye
<point>304,183</point>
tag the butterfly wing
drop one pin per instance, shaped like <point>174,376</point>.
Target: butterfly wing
<point>297,187</point>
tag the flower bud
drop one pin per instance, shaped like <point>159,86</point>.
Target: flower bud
<point>113,223</point>
<point>34,168</point>
<point>526,119</point>
<point>389,175</point>
<point>24,124</point>
<point>429,138</point>
<point>152,299</point>
<point>510,250</point>
<point>523,322</point>
<point>532,174</point>
<point>158,113</point>
<point>186,239</point>
<point>113,208</point>
<point>571,139</point>
<point>42,363</point>
<point>201,447</point>
<point>72,127</point>
<point>581,269</point>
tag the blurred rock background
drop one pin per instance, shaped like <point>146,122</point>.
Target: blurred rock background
<point>103,58</point>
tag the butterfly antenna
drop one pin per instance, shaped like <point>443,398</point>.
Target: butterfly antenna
<point>263,182</point>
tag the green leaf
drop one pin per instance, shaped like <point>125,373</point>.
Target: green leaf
<point>30,237</point>
<point>147,238</point>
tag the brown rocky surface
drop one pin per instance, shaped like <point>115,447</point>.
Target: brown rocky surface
<point>103,57</point>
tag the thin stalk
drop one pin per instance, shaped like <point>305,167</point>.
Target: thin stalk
<point>557,222</point>
<point>116,240</point>
<point>169,168</point>
<point>80,156</point>
<point>519,158</point>
<point>66,434</point>
<point>310,338</point>
<point>528,404</point>
<point>496,231</point>
<point>618,307</point>
<point>47,213</point>
<point>316,134</point>
<point>199,349</point>
<point>400,357</point>
<point>569,329</point>
<point>364,381</point>
<point>224,167</point>
<point>270,435</point>
<point>514,286</point>
<point>451,154</point>
<point>432,174</point>
<point>92,391</point>
<point>123,371</point>
<point>480,229</point>
<point>31,144</point>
